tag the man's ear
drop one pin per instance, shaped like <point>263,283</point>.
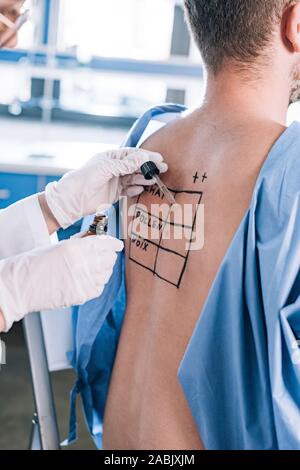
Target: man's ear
<point>293,26</point>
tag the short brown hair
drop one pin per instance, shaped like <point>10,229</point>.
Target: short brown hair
<point>233,30</point>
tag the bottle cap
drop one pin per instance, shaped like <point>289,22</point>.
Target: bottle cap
<point>149,169</point>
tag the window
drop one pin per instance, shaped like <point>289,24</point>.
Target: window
<point>136,29</point>
<point>96,59</point>
<point>96,93</point>
<point>139,30</point>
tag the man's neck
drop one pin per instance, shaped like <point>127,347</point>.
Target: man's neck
<point>231,96</point>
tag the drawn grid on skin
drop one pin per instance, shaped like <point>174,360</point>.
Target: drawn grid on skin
<point>172,224</point>
<point>190,241</point>
<point>157,245</point>
<point>161,248</point>
<point>156,274</point>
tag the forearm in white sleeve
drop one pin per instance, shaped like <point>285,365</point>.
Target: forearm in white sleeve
<point>22,227</point>
<point>68,273</point>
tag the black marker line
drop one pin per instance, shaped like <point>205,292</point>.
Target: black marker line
<point>142,238</point>
<point>158,246</point>
<point>163,221</point>
<point>189,249</point>
<point>196,177</point>
<point>198,193</point>
<point>177,191</point>
<point>142,265</point>
<point>153,272</point>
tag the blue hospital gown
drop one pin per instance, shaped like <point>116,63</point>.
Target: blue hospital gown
<point>241,370</point>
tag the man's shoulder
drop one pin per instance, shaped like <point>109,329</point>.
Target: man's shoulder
<point>157,114</point>
<point>164,134</point>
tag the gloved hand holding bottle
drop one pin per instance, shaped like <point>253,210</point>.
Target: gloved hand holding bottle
<point>69,273</point>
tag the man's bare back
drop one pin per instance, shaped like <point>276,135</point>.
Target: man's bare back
<point>219,164</point>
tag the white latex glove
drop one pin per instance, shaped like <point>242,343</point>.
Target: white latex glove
<point>69,273</point>
<point>101,181</point>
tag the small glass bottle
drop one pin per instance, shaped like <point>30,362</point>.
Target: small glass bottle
<point>98,227</point>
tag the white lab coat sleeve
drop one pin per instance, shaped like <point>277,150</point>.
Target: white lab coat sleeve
<point>22,227</point>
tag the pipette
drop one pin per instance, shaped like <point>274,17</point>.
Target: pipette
<point>150,171</point>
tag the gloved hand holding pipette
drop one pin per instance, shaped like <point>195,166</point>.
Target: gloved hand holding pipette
<point>103,180</point>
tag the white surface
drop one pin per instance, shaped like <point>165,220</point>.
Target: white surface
<point>49,159</point>
<point>23,228</point>
<point>51,149</point>
<point>57,329</point>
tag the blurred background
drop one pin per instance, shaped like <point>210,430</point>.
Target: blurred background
<point>98,62</point>
<point>82,73</point>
